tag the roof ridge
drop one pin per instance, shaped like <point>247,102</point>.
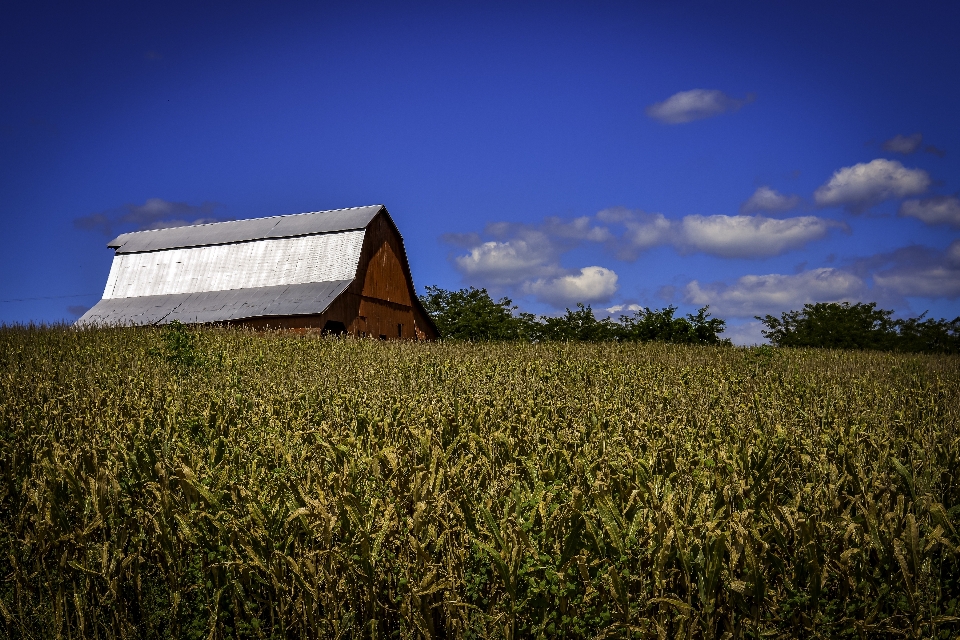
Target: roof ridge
<point>307,213</point>
<point>282,215</point>
<point>247,229</point>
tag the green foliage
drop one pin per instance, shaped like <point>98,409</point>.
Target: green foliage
<point>471,314</point>
<point>919,335</point>
<point>321,488</point>
<point>834,325</point>
<point>576,326</point>
<point>661,325</point>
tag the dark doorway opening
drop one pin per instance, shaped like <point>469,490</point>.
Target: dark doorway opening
<point>334,328</point>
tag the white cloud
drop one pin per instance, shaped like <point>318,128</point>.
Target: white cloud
<point>935,210</point>
<point>914,271</point>
<point>749,236</point>
<point>592,284</point>
<point>525,259</point>
<point>921,272</point>
<point>506,263</point>
<point>771,200</point>
<point>620,308</point>
<point>903,144</point>
<point>931,282</point>
<point>863,185</point>
<point>774,293</point>
<point>723,236</point>
<point>695,104</point>
<point>646,230</point>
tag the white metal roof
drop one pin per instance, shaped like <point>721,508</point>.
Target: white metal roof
<point>283,265</point>
<point>242,265</point>
<point>216,306</point>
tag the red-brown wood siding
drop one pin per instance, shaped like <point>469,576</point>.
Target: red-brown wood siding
<point>381,301</point>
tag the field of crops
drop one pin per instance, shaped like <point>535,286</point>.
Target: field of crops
<point>229,484</point>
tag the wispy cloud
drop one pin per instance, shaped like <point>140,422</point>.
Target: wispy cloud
<point>155,213</point>
<point>750,236</point>
<point>525,259</point>
<point>695,104</point>
<point>718,235</point>
<point>642,230</point>
<point>769,200</point>
<point>888,278</point>
<point>918,271</point>
<point>903,144</point>
<point>935,210</point>
<point>753,295</point>
<point>863,185</point>
<point>520,253</point>
<point>910,144</point>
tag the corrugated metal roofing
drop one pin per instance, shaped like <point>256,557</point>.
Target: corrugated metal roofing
<point>277,266</point>
<point>244,230</point>
<point>216,306</point>
<point>244,266</point>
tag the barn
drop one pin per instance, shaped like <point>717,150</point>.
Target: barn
<point>341,271</point>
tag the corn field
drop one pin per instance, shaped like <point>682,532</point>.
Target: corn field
<point>230,484</point>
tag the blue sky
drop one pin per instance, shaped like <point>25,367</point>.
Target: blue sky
<point>752,156</point>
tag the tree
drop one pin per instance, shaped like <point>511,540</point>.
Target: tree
<point>661,325</point>
<point>929,336</point>
<point>580,325</point>
<point>832,325</point>
<point>841,325</point>
<point>471,314</point>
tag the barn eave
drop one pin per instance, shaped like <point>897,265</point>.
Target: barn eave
<point>216,306</point>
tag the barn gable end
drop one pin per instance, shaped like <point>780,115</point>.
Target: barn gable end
<point>343,270</point>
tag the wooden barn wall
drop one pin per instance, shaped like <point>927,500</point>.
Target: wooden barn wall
<point>378,304</point>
